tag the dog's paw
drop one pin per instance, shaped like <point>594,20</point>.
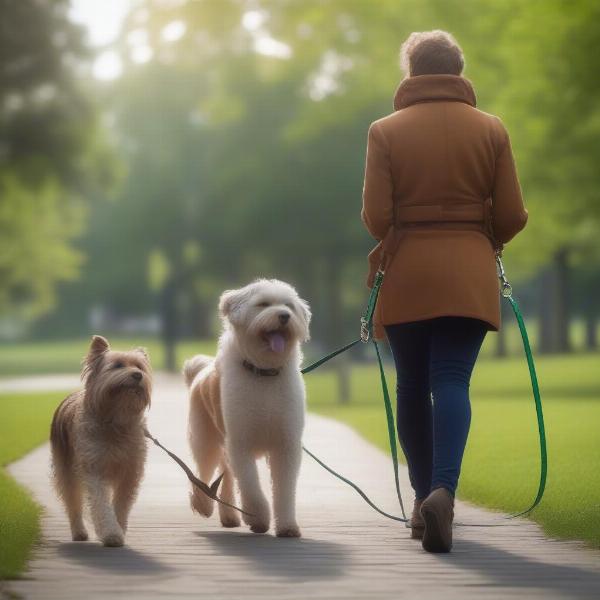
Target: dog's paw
<point>289,531</point>
<point>113,540</point>
<point>230,521</point>
<point>258,522</point>
<point>80,536</point>
<point>258,516</point>
<point>259,527</point>
<point>201,503</point>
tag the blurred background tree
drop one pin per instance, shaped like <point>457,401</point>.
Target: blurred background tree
<point>50,155</point>
<point>239,127</point>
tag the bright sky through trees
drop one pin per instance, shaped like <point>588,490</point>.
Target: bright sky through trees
<point>103,21</point>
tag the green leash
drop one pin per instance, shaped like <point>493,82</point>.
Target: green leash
<point>507,293</point>
<point>366,333</point>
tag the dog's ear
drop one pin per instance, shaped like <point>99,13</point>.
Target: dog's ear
<point>227,302</point>
<point>306,317</point>
<point>231,302</point>
<point>141,350</point>
<point>98,346</point>
<point>97,349</point>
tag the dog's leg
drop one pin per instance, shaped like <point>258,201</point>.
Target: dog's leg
<point>65,478</point>
<point>69,488</point>
<point>229,517</point>
<point>253,499</point>
<point>207,453</point>
<point>73,498</point>
<point>285,466</point>
<point>103,515</point>
<point>207,463</point>
<point>126,490</point>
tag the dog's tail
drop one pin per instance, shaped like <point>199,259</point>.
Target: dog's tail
<point>194,365</point>
<point>61,444</point>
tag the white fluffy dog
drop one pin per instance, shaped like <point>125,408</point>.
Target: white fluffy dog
<point>249,402</point>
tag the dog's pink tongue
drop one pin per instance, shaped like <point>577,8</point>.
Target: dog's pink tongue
<point>276,341</point>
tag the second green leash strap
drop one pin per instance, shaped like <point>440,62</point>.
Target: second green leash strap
<point>538,407</point>
<point>391,427</point>
<point>506,292</point>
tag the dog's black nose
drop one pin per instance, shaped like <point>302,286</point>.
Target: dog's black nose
<point>284,317</point>
<point>137,375</point>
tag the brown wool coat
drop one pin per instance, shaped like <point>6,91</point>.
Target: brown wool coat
<point>440,179</point>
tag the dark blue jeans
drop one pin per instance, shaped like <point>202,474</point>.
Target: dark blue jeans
<point>434,361</point>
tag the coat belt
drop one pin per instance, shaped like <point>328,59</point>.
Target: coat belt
<point>441,213</point>
<point>407,217</point>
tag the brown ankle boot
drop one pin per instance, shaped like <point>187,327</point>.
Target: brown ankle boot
<point>417,525</point>
<point>437,511</point>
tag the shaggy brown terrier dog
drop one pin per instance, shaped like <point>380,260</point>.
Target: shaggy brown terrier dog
<point>97,440</point>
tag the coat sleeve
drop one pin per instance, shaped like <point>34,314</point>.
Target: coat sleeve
<point>509,215</point>
<point>378,207</point>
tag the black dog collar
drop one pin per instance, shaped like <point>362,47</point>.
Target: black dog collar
<point>258,371</point>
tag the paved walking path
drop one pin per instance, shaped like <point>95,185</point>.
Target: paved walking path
<point>347,551</point>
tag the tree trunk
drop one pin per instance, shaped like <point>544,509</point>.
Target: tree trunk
<point>591,331</point>
<point>335,324</point>
<point>344,370</point>
<point>561,316</point>
<point>545,337</point>
<point>500,350</point>
<point>554,335</point>
<point>200,317</point>
<point>168,312</point>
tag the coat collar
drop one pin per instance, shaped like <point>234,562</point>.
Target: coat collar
<point>431,88</point>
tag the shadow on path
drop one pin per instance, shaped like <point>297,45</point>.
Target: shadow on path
<point>123,560</point>
<point>295,559</point>
<point>505,569</point>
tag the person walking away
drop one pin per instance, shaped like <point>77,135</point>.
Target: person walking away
<point>441,196</point>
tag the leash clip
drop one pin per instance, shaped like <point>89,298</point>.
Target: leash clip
<point>365,334</point>
<point>366,321</point>
<point>506,290</point>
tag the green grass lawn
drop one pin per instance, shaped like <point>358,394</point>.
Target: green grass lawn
<point>24,424</point>
<point>501,465</point>
<point>41,357</point>
<point>64,356</point>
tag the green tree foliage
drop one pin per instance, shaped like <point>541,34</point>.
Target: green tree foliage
<point>551,105</point>
<point>48,152</point>
<point>35,243</point>
<point>244,139</point>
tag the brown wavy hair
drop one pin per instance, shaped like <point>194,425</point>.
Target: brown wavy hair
<point>431,53</point>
